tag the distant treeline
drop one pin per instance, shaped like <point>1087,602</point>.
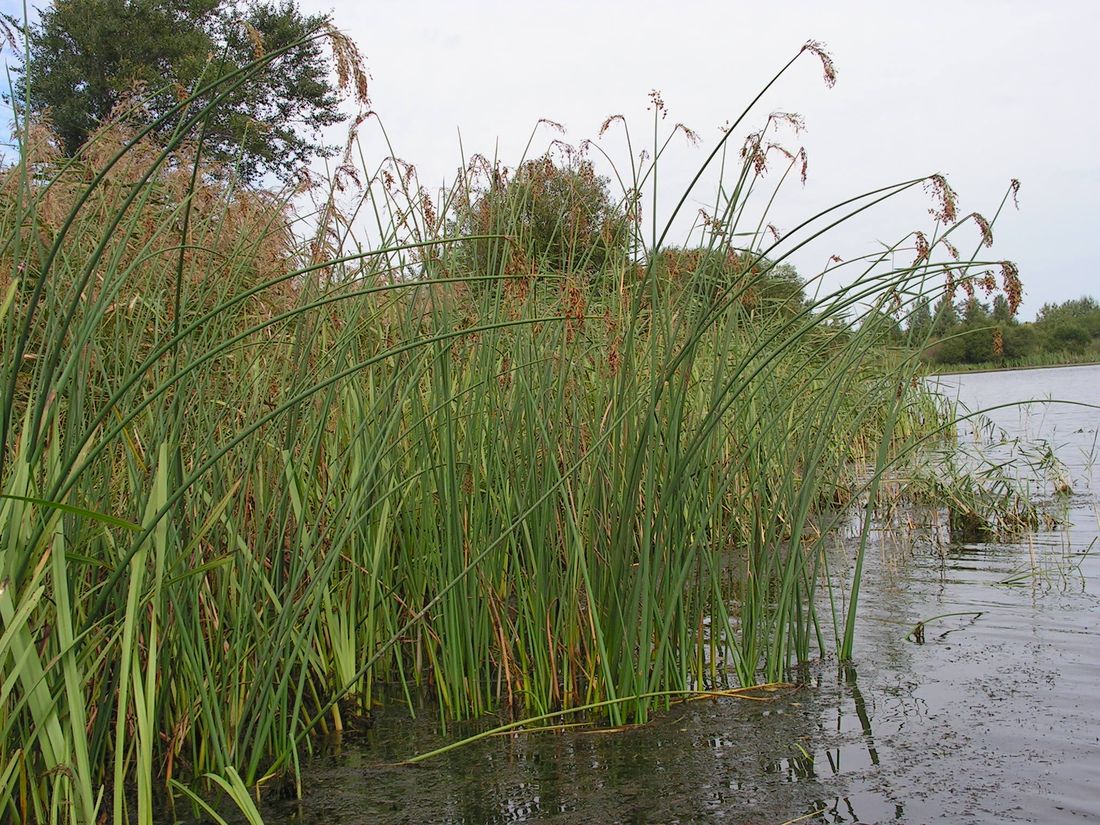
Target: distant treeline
<point>972,332</point>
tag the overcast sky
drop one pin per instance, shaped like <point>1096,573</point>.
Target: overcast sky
<point>981,91</point>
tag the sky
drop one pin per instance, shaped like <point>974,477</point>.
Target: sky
<point>981,91</point>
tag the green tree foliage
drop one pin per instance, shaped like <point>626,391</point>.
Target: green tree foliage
<point>760,284</point>
<point>558,216</point>
<point>780,285</point>
<point>86,57</point>
<point>1069,335</point>
<point>974,312</point>
<point>1084,309</point>
<point>964,333</point>
<point>1069,331</point>
<point>919,325</point>
<point>1020,341</point>
<point>944,317</point>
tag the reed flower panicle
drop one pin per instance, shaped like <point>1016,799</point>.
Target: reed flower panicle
<point>984,227</point>
<point>1012,285</point>
<point>819,50</point>
<point>946,209</point>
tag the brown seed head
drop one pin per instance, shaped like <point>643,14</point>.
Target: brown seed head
<point>346,176</point>
<point>946,209</point>
<point>8,27</point>
<point>792,119</point>
<point>614,356</point>
<point>305,182</point>
<point>690,134</point>
<point>574,306</point>
<point>922,248</point>
<point>817,48</point>
<point>607,123</point>
<point>753,152</point>
<point>427,207</point>
<point>783,150</point>
<point>256,38</point>
<point>986,229</point>
<point>350,72</point>
<point>1013,287</point>
<point>478,164</point>
<point>657,103</point>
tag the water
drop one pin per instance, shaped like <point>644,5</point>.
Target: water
<point>995,717</point>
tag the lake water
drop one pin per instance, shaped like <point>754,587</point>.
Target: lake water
<point>995,717</point>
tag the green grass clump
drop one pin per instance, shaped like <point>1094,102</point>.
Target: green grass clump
<point>251,472</point>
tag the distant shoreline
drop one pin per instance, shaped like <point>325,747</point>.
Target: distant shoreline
<point>1017,369</point>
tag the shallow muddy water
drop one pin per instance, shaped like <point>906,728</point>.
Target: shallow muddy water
<point>995,717</point>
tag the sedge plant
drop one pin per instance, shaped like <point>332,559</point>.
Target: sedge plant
<point>258,464</point>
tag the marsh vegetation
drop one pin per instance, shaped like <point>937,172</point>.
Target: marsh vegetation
<point>504,443</point>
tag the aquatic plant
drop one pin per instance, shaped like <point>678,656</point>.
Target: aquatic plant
<point>249,470</point>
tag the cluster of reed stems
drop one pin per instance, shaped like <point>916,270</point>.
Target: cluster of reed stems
<point>250,473</point>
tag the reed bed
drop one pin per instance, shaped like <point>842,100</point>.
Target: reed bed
<point>251,472</point>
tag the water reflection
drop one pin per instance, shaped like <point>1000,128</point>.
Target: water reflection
<point>861,711</point>
<point>788,757</point>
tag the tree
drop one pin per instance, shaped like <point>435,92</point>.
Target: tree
<point>974,312</point>
<point>1020,341</point>
<point>558,216</point>
<point>755,281</point>
<point>87,56</point>
<point>944,317</point>
<point>1002,312</point>
<point>919,324</point>
<point>1068,334</point>
<point>780,285</point>
<point>1079,313</point>
<point>1075,309</point>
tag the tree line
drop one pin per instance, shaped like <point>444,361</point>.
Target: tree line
<point>973,332</point>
